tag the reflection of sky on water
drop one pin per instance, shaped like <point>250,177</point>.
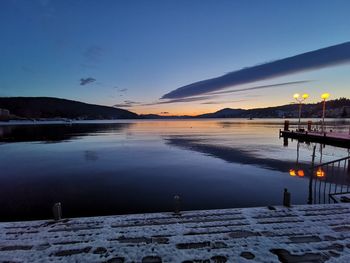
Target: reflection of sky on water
<point>139,166</point>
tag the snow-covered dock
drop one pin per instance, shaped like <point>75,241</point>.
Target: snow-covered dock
<point>339,139</point>
<point>307,233</point>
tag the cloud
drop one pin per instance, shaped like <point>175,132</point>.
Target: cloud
<point>85,81</point>
<point>127,104</point>
<point>262,87</point>
<point>122,105</point>
<point>132,102</point>
<point>179,100</point>
<point>221,102</point>
<point>164,112</point>
<point>210,95</point>
<point>321,58</point>
<point>121,90</point>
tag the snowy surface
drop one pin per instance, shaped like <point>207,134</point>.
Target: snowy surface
<point>316,233</point>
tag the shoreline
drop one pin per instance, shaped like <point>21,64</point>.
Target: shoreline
<point>98,121</point>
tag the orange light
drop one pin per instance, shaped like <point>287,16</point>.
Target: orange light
<point>320,172</point>
<point>301,173</point>
<point>292,172</point>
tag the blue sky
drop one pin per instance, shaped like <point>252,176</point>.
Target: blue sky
<point>135,52</point>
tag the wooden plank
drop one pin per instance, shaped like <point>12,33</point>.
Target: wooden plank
<point>301,233</point>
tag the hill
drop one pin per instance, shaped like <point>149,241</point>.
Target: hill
<point>156,116</point>
<point>47,107</point>
<point>224,113</point>
<point>339,108</point>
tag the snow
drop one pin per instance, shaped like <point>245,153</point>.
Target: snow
<point>300,233</point>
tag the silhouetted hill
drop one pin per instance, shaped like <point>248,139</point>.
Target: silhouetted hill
<point>224,113</point>
<point>46,107</point>
<point>335,109</point>
<point>156,116</point>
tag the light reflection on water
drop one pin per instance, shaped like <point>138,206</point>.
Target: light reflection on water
<point>96,168</point>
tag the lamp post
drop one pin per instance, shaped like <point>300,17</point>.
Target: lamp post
<point>300,100</point>
<point>324,97</point>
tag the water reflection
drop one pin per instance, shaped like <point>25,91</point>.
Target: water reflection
<point>229,154</point>
<point>138,166</point>
<point>325,179</point>
<point>320,173</point>
<point>90,156</point>
<point>293,172</point>
<point>297,169</point>
<point>56,133</point>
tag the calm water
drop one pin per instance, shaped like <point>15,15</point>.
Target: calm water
<point>96,168</point>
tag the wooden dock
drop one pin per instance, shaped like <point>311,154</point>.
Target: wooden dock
<point>330,138</point>
<point>306,233</point>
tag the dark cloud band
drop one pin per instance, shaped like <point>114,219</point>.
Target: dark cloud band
<point>179,100</point>
<point>312,60</point>
<point>85,81</point>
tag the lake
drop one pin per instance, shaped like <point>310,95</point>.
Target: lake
<point>134,166</point>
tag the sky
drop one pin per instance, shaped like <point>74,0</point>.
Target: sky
<point>182,57</point>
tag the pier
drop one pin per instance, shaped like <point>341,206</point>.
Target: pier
<point>334,138</point>
<point>303,233</point>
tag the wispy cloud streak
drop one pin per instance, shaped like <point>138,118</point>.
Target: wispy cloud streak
<point>312,60</point>
<point>221,102</point>
<point>179,100</point>
<point>261,87</point>
<point>127,104</point>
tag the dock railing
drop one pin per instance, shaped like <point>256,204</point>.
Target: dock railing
<point>328,179</point>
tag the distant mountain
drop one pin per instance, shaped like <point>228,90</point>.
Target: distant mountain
<point>47,107</point>
<point>156,116</point>
<point>224,113</point>
<point>339,108</point>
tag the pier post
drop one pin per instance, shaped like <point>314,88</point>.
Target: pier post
<point>312,175</point>
<point>286,125</point>
<point>57,211</point>
<point>177,205</point>
<point>286,198</point>
<point>309,125</point>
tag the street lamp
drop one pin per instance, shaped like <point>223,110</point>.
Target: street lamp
<point>300,100</point>
<point>324,96</point>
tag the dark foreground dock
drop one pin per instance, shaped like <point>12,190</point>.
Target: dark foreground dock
<point>330,138</point>
<point>307,233</point>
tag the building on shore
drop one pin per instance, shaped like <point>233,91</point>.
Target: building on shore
<point>4,113</point>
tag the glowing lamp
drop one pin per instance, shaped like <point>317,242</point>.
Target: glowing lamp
<point>296,95</point>
<point>320,173</point>
<point>292,172</point>
<point>305,96</point>
<point>301,173</point>
<point>325,96</point>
